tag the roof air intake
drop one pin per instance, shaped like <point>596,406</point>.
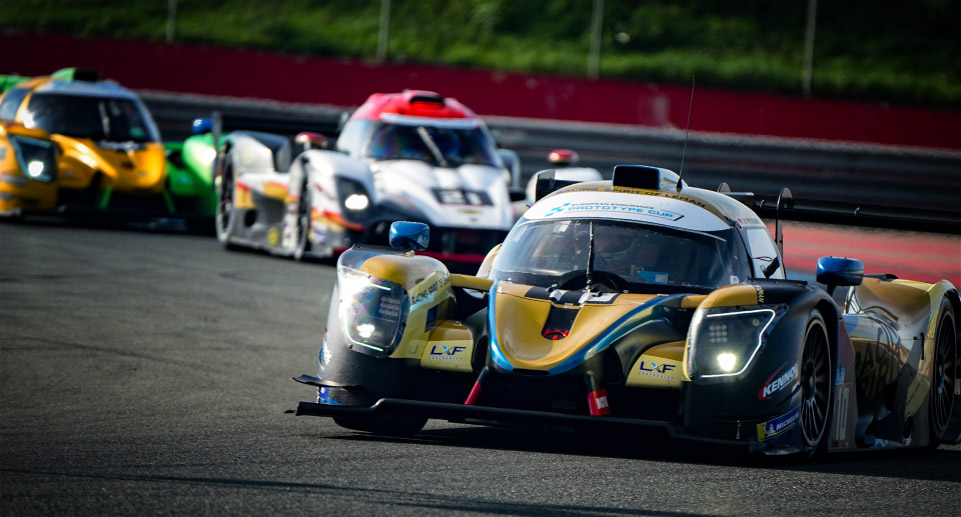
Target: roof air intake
<point>423,96</point>
<point>637,176</point>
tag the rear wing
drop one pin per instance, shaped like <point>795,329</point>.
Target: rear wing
<point>785,206</point>
<point>220,122</point>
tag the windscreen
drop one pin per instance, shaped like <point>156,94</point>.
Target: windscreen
<point>444,146</point>
<point>571,253</point>
<point>98,118</point>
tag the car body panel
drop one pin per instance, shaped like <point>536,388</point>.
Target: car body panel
<point>190,167</point>
<point>522,342</point>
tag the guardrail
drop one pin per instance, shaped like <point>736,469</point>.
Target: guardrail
<point>919,188</point>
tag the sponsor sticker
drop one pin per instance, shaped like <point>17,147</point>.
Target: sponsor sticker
<point>273,237</point>
<point>631,207</point>
<point>323,397</point>
<point>615,208</point>
<point>840,377</point>
<point>446,353</point>
<point>842,400</point>
<point>427,293</point>
<point>778,381</point>
<point>458,196</point>
<point>652,369</point>
<point>772,428</point>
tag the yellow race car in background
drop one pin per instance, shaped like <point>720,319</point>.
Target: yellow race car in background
<point>72,143</point>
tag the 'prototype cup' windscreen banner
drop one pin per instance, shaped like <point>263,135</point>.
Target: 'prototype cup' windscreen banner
<point>613,205</point>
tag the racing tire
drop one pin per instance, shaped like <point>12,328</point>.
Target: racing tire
<point>303,223</point>
<point>944,374</point>
<point>224,219</point>
<point>391,424</point>
<point>815,381</point>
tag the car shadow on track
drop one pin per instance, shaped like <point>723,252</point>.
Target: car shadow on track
<point>943,464</point>
<point>181,224</point>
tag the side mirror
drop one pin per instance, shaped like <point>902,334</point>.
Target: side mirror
<point>835,271</point>
<point>544,184</point>
<point>409,235</point>
<point>311,140</point>
<point>202,125</point>
<point>513,165</point>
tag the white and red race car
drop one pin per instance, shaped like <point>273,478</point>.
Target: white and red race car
<point>413,156</point>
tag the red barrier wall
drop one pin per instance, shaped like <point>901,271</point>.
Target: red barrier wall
<point>341,82</point>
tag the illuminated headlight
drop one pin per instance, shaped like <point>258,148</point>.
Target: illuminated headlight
<point>37,158</point>
<point>724,340</point>
<point>356,202</point>
<point>353,196</point>
<point>373,311</point>
<point>35,169</point>
<point>726,361</point>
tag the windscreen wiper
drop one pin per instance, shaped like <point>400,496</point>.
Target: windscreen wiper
<point>590,256</point>
<point>429,142</point>
<point>104,120</point>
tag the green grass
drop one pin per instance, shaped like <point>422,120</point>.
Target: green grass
<point>881,50</point>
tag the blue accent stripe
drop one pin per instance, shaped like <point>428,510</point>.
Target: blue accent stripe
<point>496,354</point>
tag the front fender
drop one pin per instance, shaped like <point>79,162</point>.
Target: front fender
<point>374,283</point>
<point>331,163</point>
<point>191,171</point>
<point>252,151</point>
<point>769,385</point>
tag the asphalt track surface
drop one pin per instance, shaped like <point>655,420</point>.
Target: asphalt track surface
<point>148,373</point>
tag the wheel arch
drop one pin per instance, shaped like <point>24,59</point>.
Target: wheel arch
<point>953,433</point>
<point>831,313</point>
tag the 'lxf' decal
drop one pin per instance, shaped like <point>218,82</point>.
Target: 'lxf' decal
<point>446,352</point>
<point>653,369</point>
<point>659,368</point>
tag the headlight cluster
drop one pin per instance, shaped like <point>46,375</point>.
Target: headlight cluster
<point>724,340</point>
<point>356,202</point>
<point>37,158</point>
<point>353,196</point>
<point>373,311</point>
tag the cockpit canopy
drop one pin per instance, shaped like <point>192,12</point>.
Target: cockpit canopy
<point>117,119</point>
<point>617,255</point>
<point>418,125</point>
<point>448,143</point>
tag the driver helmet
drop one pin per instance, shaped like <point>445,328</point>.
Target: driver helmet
<point>611,239</point>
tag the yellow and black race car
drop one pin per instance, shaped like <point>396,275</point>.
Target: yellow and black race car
<point>641,303</point>
<point>72,143</point>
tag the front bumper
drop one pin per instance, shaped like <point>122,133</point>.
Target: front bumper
<point>493,415</point>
